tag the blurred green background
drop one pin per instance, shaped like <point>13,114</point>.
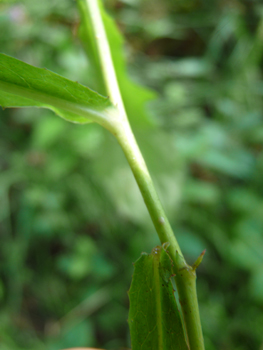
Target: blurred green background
<point>72,220</point>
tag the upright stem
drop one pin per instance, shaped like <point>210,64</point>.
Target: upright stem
<point>126,139</point>
<point>185,277</point>
<point>105,57</point>
<point>122,131</point>
<point>119,126</point>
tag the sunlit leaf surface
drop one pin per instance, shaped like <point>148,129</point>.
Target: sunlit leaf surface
<point>22,85</point>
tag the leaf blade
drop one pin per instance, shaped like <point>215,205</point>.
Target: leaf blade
<point>154,319</point>
<point>23,85</point>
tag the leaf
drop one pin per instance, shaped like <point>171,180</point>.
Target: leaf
<point>135,107</point>
<point>154,318</point>
<point>22,85</point>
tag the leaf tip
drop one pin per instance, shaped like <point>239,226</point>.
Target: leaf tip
<point>199,260</point>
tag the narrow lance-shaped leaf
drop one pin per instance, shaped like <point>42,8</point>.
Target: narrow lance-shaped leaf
<point>154,319</point>
<point>22,85</point>
<point>134,95</point>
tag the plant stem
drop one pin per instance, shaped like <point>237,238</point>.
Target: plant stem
<point>121,129</point>
<point>110,79</point>
<point>119,126</point>
<point>185,277</point>
<point>126,139</point>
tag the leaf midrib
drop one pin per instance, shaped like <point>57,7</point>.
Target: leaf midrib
<point>156,261</point>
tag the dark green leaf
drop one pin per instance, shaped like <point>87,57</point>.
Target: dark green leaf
<point>154,319</point>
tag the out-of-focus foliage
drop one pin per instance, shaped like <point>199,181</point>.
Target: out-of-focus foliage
<point>72,219</point>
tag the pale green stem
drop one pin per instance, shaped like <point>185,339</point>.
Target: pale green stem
<point>126,139</point>
<point>119,126</point>
<point>105,55</point>
<point>185,275</point>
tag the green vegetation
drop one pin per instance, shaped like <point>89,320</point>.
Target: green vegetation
<point>73,219</point>
<point>22,85</point>
<point>152,293</point>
